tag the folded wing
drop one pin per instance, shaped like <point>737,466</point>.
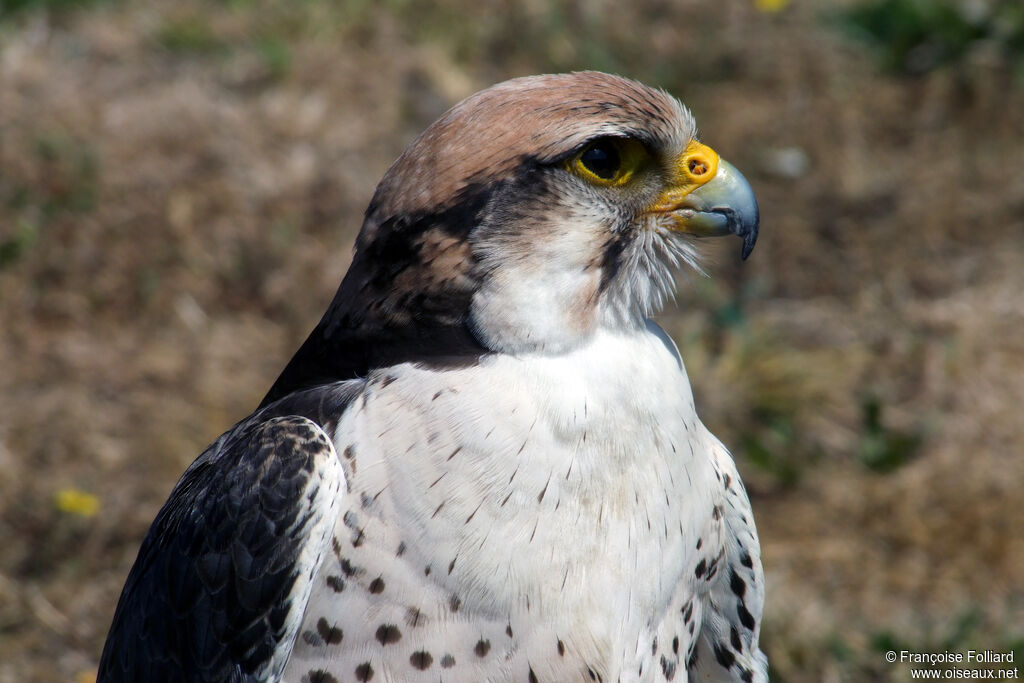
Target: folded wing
<point>222,579</point>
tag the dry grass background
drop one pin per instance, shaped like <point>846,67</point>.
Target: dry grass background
<point>180,185</point>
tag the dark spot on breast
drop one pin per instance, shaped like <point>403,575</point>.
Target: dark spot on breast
<point>336,583</point>
<point>388,634</point>
<point>746,561</point>
<point>447,662</point>
<point>377,585</point>
<point>426,570</point>
<point>747,676</point>
<point>319,676</point>
<point>482,647</point>
<point>332,635</point>
<point>561,648</point>
<point>688,611</point>
<point>508,630</point>
<point>716,512</point>
<point>348,568</point>
<point>455,603</point>
<point>700,569</point>
<point>723,655</point>
<point>421,660</point>
<point>414,617</point>
<point>668,668</point>
<point>746,618</point>
<point>401,549</point>
<point>700,542</point>
<point>350,451</point>
<point>364,672</point>
<point>726,480</point>
<point>675,645</point>
<point>734,639</point>
<point>312,639</point>
<point>654,646</point>
<point>451,565</point>
<point>736,584</point>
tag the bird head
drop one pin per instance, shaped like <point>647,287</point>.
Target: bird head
<point>543,209</point>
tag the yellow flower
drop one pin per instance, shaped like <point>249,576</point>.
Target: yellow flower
<point>771,5</point>
<point>76,502</point>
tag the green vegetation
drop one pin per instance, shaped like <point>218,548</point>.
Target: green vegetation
<point>14,247</point>
<point>190,33</point>
<point>916,36</point>
<point>64,179</point>
<point>68,175</point>
<point>883,449</point>
<point>12,8</point>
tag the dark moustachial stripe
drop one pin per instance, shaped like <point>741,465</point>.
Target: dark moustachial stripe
<point>611,258</point>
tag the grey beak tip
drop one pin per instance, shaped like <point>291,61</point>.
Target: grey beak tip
<point>745,215</point>
<point>749,235</point>
<point>748,247</point>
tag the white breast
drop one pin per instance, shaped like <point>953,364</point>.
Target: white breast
<point>562,490</point>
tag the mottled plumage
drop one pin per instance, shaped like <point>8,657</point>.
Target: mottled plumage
<point>484,464</point>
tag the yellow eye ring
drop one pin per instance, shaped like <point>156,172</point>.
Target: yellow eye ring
<point>609,161</point>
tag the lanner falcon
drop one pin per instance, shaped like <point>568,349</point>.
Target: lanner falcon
<point>484,464</point>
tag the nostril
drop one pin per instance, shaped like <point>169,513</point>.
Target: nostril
<point>697,166</point>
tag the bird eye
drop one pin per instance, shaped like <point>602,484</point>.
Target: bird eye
<point>609,160</point>
<point>602,159</point>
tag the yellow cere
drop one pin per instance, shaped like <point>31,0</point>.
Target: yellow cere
<point>697,165</point>
<point>610,161</point>
<point>74,502</point>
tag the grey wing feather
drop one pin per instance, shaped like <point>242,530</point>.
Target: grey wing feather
<point>222,578</point>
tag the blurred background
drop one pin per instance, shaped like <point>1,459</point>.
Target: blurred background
<point>181,184</point>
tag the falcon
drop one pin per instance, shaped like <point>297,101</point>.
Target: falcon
<point>484,464</point>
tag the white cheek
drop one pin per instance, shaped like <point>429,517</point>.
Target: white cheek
<point>539,295</point>
<point>545,309</point>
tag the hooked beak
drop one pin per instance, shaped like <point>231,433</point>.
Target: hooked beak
<point>710,198</point>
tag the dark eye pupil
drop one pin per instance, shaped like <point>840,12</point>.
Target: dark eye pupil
<point>601,159</point>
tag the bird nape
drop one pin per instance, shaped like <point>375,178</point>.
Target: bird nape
<point>484,463</point>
